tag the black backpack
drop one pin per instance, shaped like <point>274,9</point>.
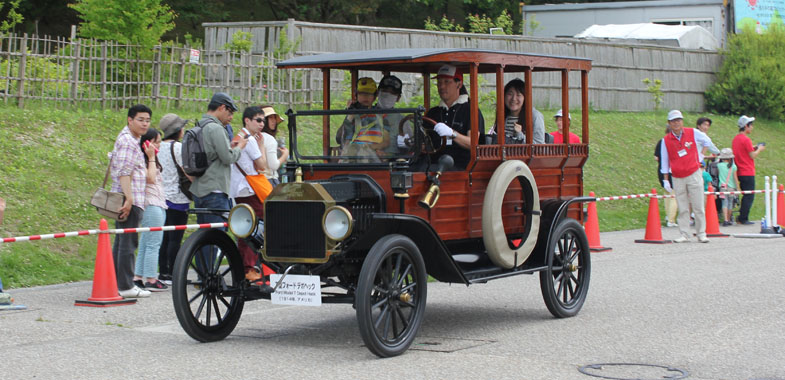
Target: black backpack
<point>194,157</point>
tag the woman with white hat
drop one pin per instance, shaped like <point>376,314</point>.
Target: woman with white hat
<point>277,154</point>
<point>729,178</point>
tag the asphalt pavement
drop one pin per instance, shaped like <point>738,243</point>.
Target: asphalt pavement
<point>697,311</point>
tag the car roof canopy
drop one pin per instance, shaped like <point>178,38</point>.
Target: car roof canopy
<point>429,60</point>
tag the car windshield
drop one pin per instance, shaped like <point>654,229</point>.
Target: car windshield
<point>361,136</point>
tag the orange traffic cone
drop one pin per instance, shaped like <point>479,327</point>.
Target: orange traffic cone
<point>653,231</point>
<point>781,206</point>
<point>592,228</point>
<point>712,221</point>
<point>104,279</point>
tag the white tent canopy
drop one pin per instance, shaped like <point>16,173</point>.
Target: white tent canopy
<point>690,37</point>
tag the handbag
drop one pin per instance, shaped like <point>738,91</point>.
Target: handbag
<point>259,183</point>
<point>182,180</point>
<point>108,203</point>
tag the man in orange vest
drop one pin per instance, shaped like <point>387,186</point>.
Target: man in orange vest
<point>680,161</point>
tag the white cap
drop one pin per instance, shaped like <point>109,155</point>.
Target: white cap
<point>559,114</point>
<point>744,120</point>
<point>449,71</point>
<point>674,114</point>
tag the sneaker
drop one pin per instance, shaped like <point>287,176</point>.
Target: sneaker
<point>139,284</point>
<point>671,224</point>
<point>703,239</point>
<point>134,292</point>
<point>680,239</point>
<point>156,286</point>
<point>746,222</point>
<point>727,223</point>
<point>166,279</point>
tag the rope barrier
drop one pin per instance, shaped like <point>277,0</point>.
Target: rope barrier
<point>651,195</point>
<point>115,231</point>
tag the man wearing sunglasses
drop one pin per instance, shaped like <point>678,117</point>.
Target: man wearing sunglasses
<point>252,161</point>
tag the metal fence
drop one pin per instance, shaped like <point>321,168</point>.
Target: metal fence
<point>92,74</point>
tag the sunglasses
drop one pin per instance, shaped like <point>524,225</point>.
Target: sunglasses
<point>259,120</point>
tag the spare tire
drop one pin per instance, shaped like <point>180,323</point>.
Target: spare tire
<point>500,249</point>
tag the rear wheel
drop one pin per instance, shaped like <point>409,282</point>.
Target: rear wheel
<point>565,282</point>
<point>391,294</point>
<point>208,297</point>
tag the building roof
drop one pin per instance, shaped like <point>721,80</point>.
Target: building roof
<point>690,37</point>
<point>621,4</point>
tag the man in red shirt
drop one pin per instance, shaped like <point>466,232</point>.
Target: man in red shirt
<point>558,138</point>
<point>680,161</point>
<point>745,155</point>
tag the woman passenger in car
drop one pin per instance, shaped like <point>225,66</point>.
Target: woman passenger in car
<point>514,119</point>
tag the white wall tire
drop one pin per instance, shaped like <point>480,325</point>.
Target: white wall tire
<point>496,242</point>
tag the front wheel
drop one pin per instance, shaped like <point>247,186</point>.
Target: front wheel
<point>208,297</point>
<point>565,281</point>
<point>390,298</point>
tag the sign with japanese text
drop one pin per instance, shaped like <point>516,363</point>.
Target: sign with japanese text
<point>296,290</point>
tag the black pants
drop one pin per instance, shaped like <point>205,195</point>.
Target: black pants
<point>746,182</point>
<point>123,250</point>
<point>172,240</point>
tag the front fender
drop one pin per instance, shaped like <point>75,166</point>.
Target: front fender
<point>438,261</point>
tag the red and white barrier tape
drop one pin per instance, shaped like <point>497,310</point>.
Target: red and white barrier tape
<point>615,198</point>
<point>113,231</point>
<point>649,195</point>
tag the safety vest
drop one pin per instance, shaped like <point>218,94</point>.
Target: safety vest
<point>682,154</point>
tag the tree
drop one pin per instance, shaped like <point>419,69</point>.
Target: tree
<point>13,16</point>
<point>138,22</point>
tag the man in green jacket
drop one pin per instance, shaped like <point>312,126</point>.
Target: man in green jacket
<point>211,189</point>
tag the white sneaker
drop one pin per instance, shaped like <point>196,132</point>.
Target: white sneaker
<point>671,224</point>
<point>681,239</point>
<point>703,239</point>
<point>134,292</point>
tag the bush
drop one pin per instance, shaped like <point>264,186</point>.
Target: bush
<point>752,78</point>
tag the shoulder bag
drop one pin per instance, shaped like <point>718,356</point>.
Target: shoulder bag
<point>259,183</point>
<point>108,203</point>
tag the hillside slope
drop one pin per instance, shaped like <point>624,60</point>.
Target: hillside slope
<point>52,160</point>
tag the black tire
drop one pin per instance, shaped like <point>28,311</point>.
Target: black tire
<point>391,294</point>
<point>208,299</point>
<point>565,282</point>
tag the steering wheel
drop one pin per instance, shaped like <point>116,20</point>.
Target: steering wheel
<point>432,142</point>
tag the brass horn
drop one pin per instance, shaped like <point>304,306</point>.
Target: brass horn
<point>432,195</point>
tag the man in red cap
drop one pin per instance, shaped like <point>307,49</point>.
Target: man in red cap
<point>453,116</point>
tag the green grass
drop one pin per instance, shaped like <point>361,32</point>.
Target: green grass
<point>52,160</point>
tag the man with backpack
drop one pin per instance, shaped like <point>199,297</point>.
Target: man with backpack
<point>211,188</point>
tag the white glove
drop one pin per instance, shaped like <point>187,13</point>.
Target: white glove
<point>402,140</point>
<point>443,130</point>
<point>667,185</point>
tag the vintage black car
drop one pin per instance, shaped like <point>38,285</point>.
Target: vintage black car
<point>369,232</point>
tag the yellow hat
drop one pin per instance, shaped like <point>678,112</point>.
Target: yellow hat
<point>366,85</point>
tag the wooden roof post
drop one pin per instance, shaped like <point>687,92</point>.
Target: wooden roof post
<point>527,104</point>
<point>585,106</point>
<point>475,109</point>
<point>565,105</point>
<point>500,121</point>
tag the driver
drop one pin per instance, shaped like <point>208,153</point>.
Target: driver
<point>453,116</point>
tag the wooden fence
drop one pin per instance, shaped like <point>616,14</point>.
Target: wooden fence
<point>105,74</point>
<point>615,80</point>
